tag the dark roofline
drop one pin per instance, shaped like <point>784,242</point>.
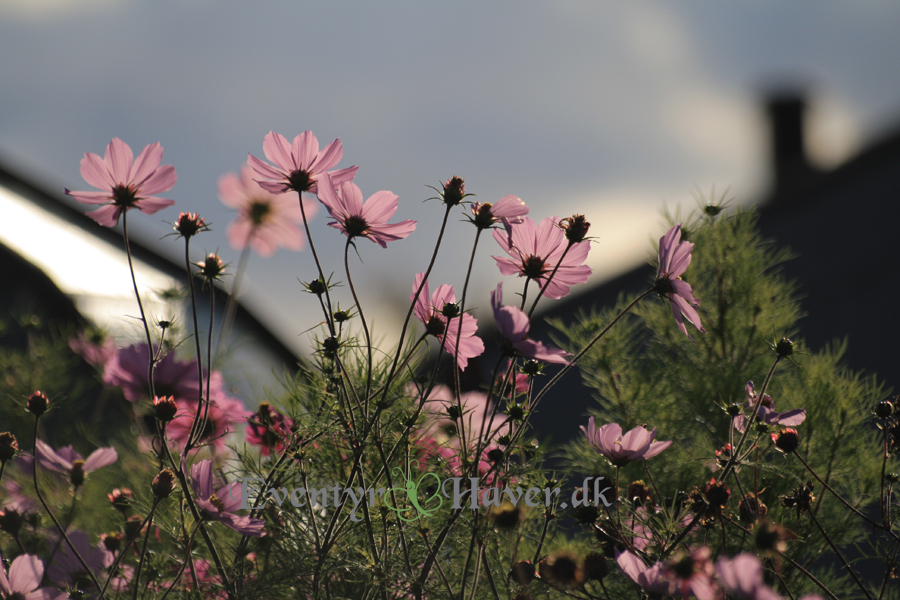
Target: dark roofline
<point>56,204</point>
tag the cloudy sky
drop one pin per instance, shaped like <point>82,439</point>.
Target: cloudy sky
<point>608,109</point>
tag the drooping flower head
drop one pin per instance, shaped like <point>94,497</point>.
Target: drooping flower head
<point>221,504</point>
<point>299,164</point>
<point>25,575</point>
<point>440,314</point>
<point>124,182</point>
<point>514,324</point>
<point>536,250</point>
<point>357,219</point>
<point>508,210</point>
<point>637,444</point>
<point>265,221</point>
<point>67,461</point>
<point>766,411</point>
<point>674,258</point>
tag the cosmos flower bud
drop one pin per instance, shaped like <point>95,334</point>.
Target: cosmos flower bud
<point>561,568</point>
<point>640,494</point>
<point>316,286</point>
<point>121,499</point>
<point>11,521</point>
<point>751,509</point>
<point>76,473</point>
<point>8,446</point>
<point>164,408</point>
<point>341,316</point>
<point>163,484</point>
<point>450,310</point>
<point>595,567</point>
<point>37,404</point>
<point>212,268</point>
<point>189,225</point>
<point>505,517</point>
<point>786,440</point>
<point>884,409</point>
<point>133,526</point>
<point>454,191</point>
<point>576,228</point>
<point>112,541</point>
<point>784,348</point>
<point>453,412</point>
<point>522,572</point>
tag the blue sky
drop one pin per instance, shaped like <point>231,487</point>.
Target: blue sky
<point>610,109</point>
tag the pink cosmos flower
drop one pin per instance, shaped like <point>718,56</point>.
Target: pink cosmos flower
<point>766,413</point>
<point>508,210</point>
<point>265,221</point>
<point>742,577</point>
<point>72,463</point>
<point>268,429</point>
<point>537,249</point>
<point>127,369</point>
<point>674,258</point>
<point>95,350</point>
<point>683,575</point>
<point>221,504</point>
<point>225,413</point>
<point>355,219</point>
<point>125,183</point>
<point>514,325</point>
<point>300,164</point>
<point>66,569</point>
<point>637,444</point>
<point>25,575</point>
<point>438,311</point>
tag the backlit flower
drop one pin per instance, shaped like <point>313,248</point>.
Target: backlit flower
<point>438,312</point>
<point>66,460</point>
<point>535,251</point>
<point>265,221</point>
<point>268,429</point>
<point>25,575</point>
<point>300,164</point>
<point>225,414</point>
<point>357,219</point>
<point>66,569</point>
<point>221,504</point>
<point>766,412</point>
<point>742,577</point>
<point>514,324</point>
<point>125,183</point>
<point>637,444</point>
<point>508,210</point>
<point>674,258</point>
<point>684,575</point>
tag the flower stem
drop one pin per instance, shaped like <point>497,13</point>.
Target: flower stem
<point>231,306</point>
<point>329,319</point>
<point>112,569</point>
<point>547,283</point>
<point>195,431</point>
<point>840,556</point>
<point>137,295</point>
<point>365,327</point>
<point>140,565</point>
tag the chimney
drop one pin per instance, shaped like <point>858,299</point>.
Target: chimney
<point>792,172</point>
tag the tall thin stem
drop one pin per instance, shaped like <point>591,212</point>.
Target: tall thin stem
<point>231,306</point>
<point>137,295</point>
<point>365,327</point>
<point>329,314</point>
<point>549,279</point>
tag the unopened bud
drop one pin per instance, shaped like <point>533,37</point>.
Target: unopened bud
<point>37,404</point>
<point>784,348</point>
<point>8,446</point>
<point>454,191</point>
<point>576,228</point>
<point>786,440</point>
<point>164,408</point>
<point>163,484</point>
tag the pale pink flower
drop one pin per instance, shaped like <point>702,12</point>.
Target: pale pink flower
<point>25,575</point>
<point>300,164</point>
<point>514,324</point>
<point>225,414</point>
<point>683,575</point>
<point>742,577</point>
<point>674,258</point>
<point>67,461</point>
<point>766,412</point>
<point>508,210</point>
<point>433,310</point>
<point>357,219</point>
<point>537,249</point>
<point>126,183</point>
<point>637,444</point>
<point>221,504</point>
<point>95,350</point>
<point>265,221</point>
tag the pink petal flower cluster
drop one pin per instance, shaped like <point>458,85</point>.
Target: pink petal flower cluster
<point>674,258</point>
<point>66,460</point>
<point>299,164</point>
<point>125,183</point>
<point>127,369</point>
<point>265,221</point>
<point>268,429</point>
<point>221,504</point>
<point>225,414</point>
<point>742,577</point>
<point>24,580</point>
<point>637,444</point>
<point>684,575</point>
<point>357,219</point>
<point>514,324</point>
<point>431,309</point>
<point>535,250</point>
<point>766,413</point>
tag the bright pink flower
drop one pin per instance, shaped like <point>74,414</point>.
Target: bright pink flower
<point>683,575</point>
<point>25,575</point>
<point>221,504</point>
<point>537,249</point>
<point>300,164</point>
<point>514,325</point>
<point>437,311</point>
<point>355,219</point>
<point>225,414</point>
<point>637,444</point>
<point>265,221</point>
<point>508,210</point>
<point>66,460</point>
<point>66,569</point>
<point>766,413</point>
<point>127,369</point>
<point>742,577</point>
<point>674,258</point>
<point>125,183</point>
<point>268,428</point>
